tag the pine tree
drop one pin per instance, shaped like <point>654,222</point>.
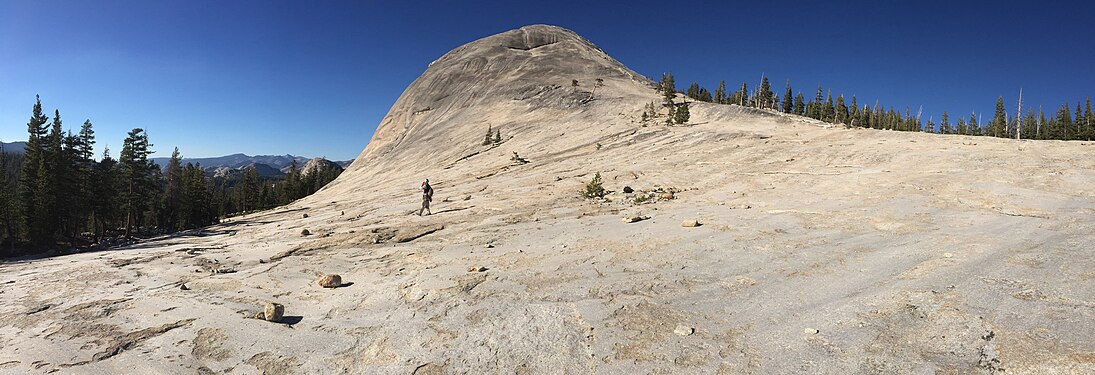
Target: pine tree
<point>764,95</point>
<point>201,211</point>
<point>9,204</point>
<point>498,136</point>
<point>720,93</point>
<point>31,192</point>
<point>800,105</point>
<point>907,122</point>
<point>998,127</point>
<point>486,140</point>
<point>841,111</point>
<point>105,193</point>
<point>704,95</point>
<point>174,193</point>
<point>878,117</point>
<point>893,120</point>
<point>693,91</point>
<point>85,162</point>
<point>813,108</point>
<point>250,190</point>
<point>682,114</point>
<point>291,185</point>
<point>1030,126</point>
<point>864,119</point>
<point>742,95</point>
<point>668,87</point>
<point>1064,124</point>
<point>945,125</point>
<point>788,102</point>
<point>70,188</point>
<point>973,128</point>
<point>46,205</point>
<point>853,113</point>
<point>136,178</point>
<point>828,113</point>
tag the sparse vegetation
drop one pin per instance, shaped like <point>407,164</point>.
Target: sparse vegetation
<point>596,83</point>
<point>518,159</point>
<point>681,114</point>
<point>493,137</point>
<point>594,189</point>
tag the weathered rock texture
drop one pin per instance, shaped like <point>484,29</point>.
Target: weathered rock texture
<point>862,251</point>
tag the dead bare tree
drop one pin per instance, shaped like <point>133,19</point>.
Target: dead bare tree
<point>597,83</point>
<point>1019,117</point>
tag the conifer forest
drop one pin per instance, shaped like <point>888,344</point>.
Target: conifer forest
<point>57,196</point>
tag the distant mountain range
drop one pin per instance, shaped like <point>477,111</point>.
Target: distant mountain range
<point>240,160</point>
<point>14,147</point>
<point>266,165</point>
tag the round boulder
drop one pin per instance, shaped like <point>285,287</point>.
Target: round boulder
<point>330,281</point>
<point>273,312</point>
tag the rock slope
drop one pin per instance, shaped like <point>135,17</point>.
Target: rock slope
<point>818,249</point>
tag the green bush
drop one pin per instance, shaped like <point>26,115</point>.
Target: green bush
<point>593,188</point>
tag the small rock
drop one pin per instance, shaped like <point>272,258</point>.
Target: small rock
<point>273,312</point>
<point>628,190</point>
<point>690,223</point>
<point>810,331</point>
<point>948,255</point>
<point>478,269</point>
<point>490,246</point>
<point>684,330</point>
<point>667,196</point>
<point>305,216</point>
<point>635,219</point>
<point>305,232</point>
<point>183,287</point>
<point>330,281</point>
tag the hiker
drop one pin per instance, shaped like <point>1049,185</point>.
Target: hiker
<point>427,197</point>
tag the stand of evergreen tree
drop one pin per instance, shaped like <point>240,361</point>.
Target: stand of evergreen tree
<point>1067,123</point>
<point>56,196</point>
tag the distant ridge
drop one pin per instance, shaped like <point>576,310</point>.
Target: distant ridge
<point>237,161</point>
<point>14,147</point>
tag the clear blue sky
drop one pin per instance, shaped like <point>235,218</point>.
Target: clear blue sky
<point>314,78</point>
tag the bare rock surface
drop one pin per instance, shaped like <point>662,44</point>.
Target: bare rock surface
<point>863,251</point>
